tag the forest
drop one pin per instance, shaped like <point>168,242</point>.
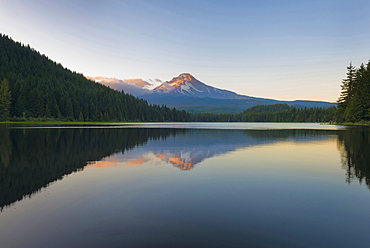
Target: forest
<point>273,113</point>
<point>32,87</point>
<point>354,100</point>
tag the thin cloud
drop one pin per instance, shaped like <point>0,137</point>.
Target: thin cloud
<point>134,87</point>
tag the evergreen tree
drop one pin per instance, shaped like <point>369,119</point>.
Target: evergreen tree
<point>80,117</point>
<point>5,99</point>
<point>47,111</point>
<point>354,101</point>
<point>347,90</point>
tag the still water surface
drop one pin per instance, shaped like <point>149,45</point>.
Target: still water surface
<point>185,185</point>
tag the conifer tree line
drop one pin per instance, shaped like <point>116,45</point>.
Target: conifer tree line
<point>354,100</point>
<point>273,113</point>
<point>33,86</point>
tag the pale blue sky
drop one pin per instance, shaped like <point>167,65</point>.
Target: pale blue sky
<point>282,49</point>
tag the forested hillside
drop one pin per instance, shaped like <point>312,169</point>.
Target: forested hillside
<point>34,87</point>
<point>273,113</point>
<point>354,101</point>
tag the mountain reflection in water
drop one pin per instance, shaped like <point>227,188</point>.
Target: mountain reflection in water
<point>30,159</point>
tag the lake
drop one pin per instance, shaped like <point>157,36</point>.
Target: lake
<point>184,185</point>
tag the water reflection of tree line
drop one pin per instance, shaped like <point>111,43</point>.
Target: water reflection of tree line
<point>32,158</point>
<point>291,134</point>
<point>354,145</point>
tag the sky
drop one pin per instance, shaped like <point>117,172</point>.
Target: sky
<point>285,50</point>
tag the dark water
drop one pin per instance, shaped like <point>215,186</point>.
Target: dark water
<point>185,185</point>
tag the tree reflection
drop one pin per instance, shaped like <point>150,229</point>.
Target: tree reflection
<point>354,144</point>
<point>32,158</point>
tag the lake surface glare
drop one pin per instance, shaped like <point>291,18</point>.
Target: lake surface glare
<point>184,185</point>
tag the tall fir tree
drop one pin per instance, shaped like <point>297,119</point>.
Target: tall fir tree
<point>5,100</point>
<point>354,101</point>
<point>347,90</point>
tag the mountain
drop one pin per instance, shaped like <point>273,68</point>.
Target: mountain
<point>186,85</point>
<point>185,92</point>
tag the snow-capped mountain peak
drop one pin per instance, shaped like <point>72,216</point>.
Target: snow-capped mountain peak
<point>187,85</point>
<point>181,81</point>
